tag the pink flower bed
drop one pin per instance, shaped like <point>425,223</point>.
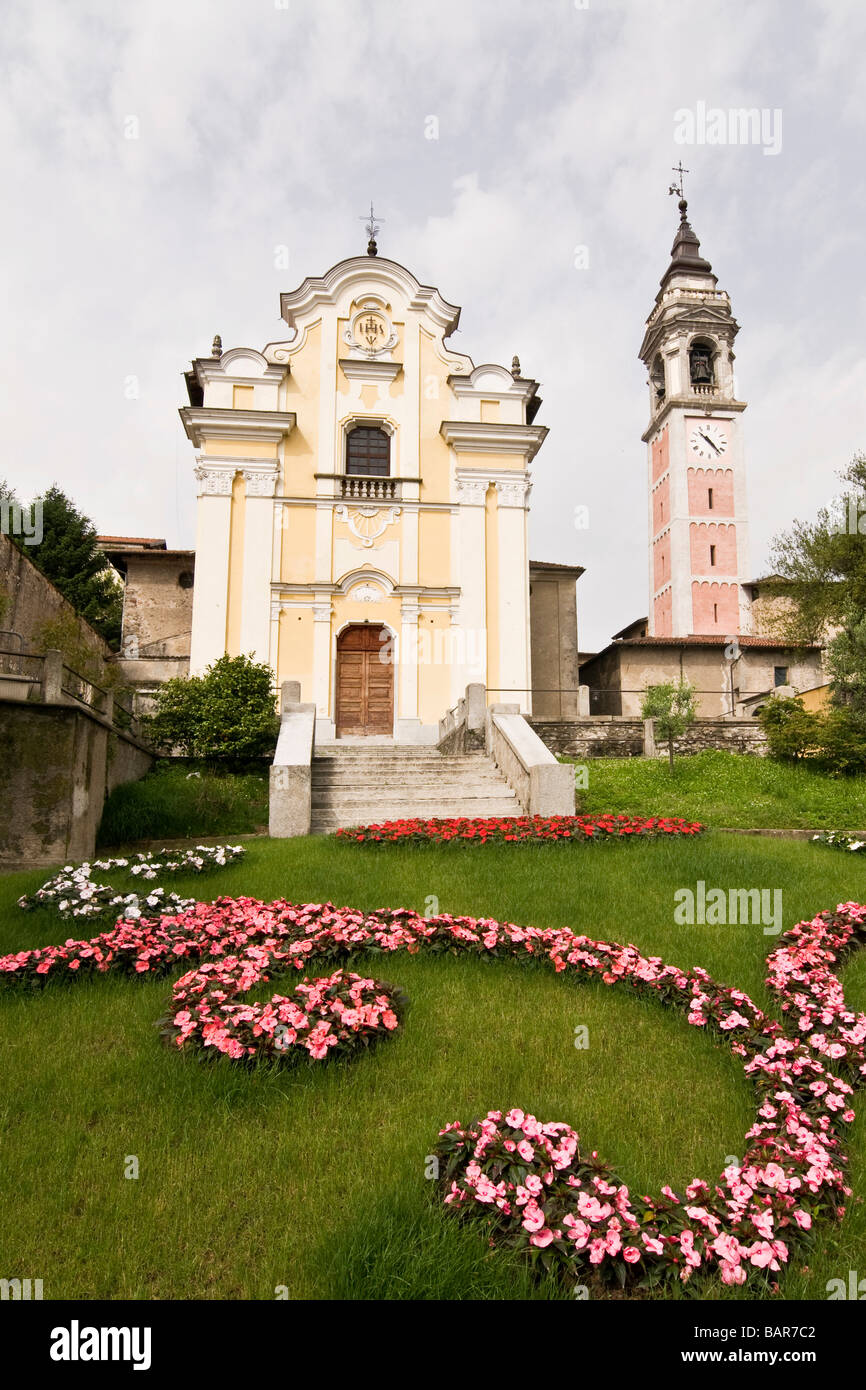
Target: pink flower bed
<point>529,1183</point>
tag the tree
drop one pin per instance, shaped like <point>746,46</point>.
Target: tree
<point>226,715</point>
<point>69,556</point>
<point>672,708</point>
<point>821,568</point>
<point>821,564</point>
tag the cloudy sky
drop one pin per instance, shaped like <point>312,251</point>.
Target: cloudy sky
<point>160,156</point>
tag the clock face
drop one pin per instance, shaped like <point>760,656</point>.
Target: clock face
<point>708,441</point>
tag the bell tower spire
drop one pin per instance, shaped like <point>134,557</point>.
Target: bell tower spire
<point>698,558</point>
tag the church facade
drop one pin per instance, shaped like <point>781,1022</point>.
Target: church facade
<point>363,507</point>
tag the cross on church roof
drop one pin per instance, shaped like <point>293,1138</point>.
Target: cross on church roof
<point>371,229</point>
<point>678,186</point>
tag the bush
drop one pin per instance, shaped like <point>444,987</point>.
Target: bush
<point>792,730</point>
<point>834,741</point>
<point>226,715</point>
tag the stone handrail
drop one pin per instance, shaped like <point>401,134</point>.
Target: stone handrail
<point>462,727</point>
<point>543,786</point>
<point>290,800</point>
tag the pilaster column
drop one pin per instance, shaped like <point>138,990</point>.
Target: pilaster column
<point>407,660</point>
<point>472,562</point>
<point>322,659</point>
<point>513,586</point>
<point>260,482</point>
<point>210,595</point>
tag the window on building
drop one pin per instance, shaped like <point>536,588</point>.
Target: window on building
<point>715,612</point>
<point>780,675</point>
<point>368,452</point>
<point>710,498</point>
<point>712,554</point>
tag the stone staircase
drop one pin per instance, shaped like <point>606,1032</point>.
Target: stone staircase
<point>363,783</point>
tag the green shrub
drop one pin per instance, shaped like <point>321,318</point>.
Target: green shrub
<point>832,741</point>
<point>226,715</point>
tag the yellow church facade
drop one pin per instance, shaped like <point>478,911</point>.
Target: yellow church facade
<point>363,506</point>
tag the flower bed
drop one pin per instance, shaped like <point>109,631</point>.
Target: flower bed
<point>75,892</point>
<point>529,1183</point>
<point>518,829</point>
<point>839,839</point>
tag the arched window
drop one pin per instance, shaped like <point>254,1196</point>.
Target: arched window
<point>658,378</point>
<point>368,452</point>
<point>701,369</point>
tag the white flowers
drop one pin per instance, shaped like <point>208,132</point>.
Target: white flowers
<point>75,893</point>
<point>840,839</point>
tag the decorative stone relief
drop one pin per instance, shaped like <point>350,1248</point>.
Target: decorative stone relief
<point>214,482</point>
<point>513,494</point>
<point>260,482</point>
<point>370,332</point>
<point>366,593</point>
<point>472,491</point>
<point>367,524</point>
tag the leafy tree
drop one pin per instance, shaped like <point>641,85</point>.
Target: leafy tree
<point>821,564</point>
<point>69,556</point>
<point>822,571</point>
<point>672,708</point>
<point>226,715</point>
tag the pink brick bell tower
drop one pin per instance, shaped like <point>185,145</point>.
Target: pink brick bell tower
<point>699,557</point>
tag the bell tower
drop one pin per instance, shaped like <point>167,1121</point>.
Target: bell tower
<point>698,553</point>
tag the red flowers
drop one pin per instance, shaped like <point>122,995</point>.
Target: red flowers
<point>528,1181</point>
<point>518,829</point>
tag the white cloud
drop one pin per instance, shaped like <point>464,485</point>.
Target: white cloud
<point>260,126</point>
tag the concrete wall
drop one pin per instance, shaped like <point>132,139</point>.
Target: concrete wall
<point>28,600</point>
<point>56,765</point>
<point>553,633</point>
<point>623,738</point>
<point>618,676</point>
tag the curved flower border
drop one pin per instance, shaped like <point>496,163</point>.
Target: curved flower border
<point>75,892</point>
<point>526,1180</point>
<point>514,829</point>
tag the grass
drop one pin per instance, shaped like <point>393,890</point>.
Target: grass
<point>179,800</point>
<point>314,1179</point>
<point>727,789</point>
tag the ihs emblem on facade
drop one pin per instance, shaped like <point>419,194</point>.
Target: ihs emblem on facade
<point>370,331</point>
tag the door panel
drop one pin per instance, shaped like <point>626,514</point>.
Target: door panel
<point>365,684</point>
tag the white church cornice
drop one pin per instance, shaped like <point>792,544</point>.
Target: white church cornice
<point>474,437</point>
<point>269,426</point>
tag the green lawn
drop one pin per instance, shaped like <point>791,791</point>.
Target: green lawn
<point>314,1178</point>
<point>181,799</point>
<point>726,789</point>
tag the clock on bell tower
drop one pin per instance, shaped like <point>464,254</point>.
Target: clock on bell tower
<point>699,558</point>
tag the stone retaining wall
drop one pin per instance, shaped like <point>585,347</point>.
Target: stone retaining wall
<point>601,737</point>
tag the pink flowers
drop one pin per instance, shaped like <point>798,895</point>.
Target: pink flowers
<point>526,1179</point>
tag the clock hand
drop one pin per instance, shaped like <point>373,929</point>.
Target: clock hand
<point>709,441</point>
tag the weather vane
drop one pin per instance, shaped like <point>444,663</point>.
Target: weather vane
<point>678,186</point>
<point>371,229</point>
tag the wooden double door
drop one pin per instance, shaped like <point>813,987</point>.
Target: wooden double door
<point>365,681</point>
